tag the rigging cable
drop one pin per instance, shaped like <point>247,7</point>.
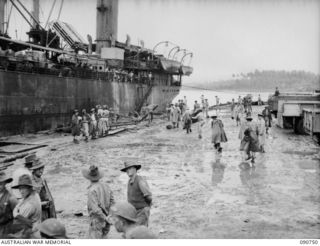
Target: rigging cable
<point>49,16</point>
<point>60,9</point>
<point>8,18</point>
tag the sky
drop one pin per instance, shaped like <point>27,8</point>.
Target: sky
<point>225,36</point>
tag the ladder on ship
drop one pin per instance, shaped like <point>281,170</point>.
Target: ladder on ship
<point>144,99</point>
<point>69,35</point>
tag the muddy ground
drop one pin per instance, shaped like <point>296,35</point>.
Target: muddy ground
<point>194,196</point>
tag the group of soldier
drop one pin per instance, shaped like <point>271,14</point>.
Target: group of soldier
<point>252,133</point>
<point>96,124</point>
<point>30,213</point>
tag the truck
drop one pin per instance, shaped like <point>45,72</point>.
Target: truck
<point>288,109</point>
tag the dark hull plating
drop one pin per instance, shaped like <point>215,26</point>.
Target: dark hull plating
<point>34,102</point>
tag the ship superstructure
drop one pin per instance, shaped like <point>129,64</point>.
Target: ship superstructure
<point>41,82</point>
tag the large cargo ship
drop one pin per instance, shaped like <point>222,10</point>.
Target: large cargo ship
<point>41,82</point>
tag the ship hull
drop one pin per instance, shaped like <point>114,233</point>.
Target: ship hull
<point>35,102</point>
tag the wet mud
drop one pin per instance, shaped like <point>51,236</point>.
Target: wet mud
<point>196,194</point>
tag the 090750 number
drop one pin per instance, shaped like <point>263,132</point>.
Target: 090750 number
<point>313,242</point>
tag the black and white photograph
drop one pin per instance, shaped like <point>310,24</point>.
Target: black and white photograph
<point>159,119</point>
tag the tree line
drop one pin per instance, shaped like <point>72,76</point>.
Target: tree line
<point>267,80</point>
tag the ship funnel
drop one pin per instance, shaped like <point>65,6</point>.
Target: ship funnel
<point>90,44</point>
<point>35,13</point>
<point>107,23</point>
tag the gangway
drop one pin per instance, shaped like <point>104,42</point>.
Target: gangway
<point>69,35</point>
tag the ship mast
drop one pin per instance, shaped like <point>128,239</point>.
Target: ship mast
<point>2,20</point>
<point>107,23</point>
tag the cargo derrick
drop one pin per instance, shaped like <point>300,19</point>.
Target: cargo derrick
<point>56,80</point>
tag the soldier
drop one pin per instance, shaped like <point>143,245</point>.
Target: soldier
<point>139,194</point>
<point>85,124</point>
<point>47,203</point>
<point>248,135</point>
<point>218,134</point>
<point>75,127</point>
<point>27,213</point>
<point>124,217</point>
<point>267,117</point>
<point>29,160</point>
<point>100,199</point>
<point>206,107</point>
<point>262,132</point>
<point>187,121</point>
<point>93,124</point>
<point>7,204</point>
<point>52,229</point>
<point>175,111</point>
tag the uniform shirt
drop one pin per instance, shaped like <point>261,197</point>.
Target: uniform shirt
<point>40,188</point>
<point>7,204</point>
<point>30,208</point>
<point>139,232</point>
<point>99,195</point>
<point>138,189</point>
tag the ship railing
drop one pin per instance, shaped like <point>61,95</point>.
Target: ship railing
<point>62,71</point>
<point>144,65</point>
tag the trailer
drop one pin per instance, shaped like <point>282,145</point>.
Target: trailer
<point>290,113</point>
<point>311,121</point>
<point>273,100</point>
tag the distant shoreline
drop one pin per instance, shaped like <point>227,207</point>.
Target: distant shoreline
<point>229,90</point>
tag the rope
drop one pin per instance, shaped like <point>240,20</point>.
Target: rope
<point>60,9</point>
<point>49,16</point>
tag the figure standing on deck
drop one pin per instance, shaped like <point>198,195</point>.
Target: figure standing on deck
<point>7,204</point>
<point>218,135</point>
<point>41,187</point>
<point>100,199</point>
<point>248,135</point>
<point>139,194</point>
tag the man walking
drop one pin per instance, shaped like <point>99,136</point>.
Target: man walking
<point>262,132</point>
<point>100,199</point>
<point>267,117</point>
<point>139,194</point>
